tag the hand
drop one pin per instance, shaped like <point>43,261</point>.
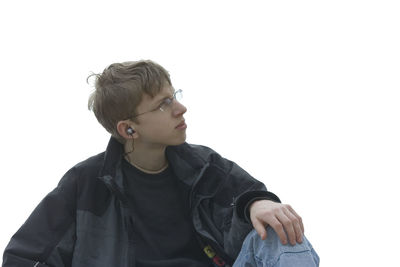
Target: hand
<point>281,217</point>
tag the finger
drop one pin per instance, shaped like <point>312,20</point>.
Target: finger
<point>260,229</point>
<point>296,225</point>
<point>278,227</point>
<point>288,225</point>
<point>297,216</point>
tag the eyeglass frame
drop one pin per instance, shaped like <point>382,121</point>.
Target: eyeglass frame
<point>162,103</point>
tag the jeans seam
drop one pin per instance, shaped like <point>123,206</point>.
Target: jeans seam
<point>273,262</point>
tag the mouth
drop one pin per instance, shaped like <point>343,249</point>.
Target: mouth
<point>181,125</point>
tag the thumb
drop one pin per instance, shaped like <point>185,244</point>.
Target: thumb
<point>260,229</point>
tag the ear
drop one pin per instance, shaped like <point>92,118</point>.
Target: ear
<point>122,128</point>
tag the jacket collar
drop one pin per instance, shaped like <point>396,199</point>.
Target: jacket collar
<point>112,156</point>
<point>189,165</point>
<point>184,163</point>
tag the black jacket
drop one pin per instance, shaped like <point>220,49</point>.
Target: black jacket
<point>86,219</point>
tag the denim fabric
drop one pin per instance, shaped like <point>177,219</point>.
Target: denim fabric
<point>272,253</point>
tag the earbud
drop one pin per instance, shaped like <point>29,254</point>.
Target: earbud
<point>130,131</point>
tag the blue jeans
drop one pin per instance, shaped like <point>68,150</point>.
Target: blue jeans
<point>271,252</point>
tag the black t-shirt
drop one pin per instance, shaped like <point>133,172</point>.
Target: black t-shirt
<point>164,234</point>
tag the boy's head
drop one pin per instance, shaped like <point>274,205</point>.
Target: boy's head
<point>119,89</point>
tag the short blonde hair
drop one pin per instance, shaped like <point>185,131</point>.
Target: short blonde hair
<point>119,90</point>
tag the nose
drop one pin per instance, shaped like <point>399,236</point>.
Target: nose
<point>178,109</point>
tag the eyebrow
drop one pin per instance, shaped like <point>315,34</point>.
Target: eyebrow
<point>163,98</point>
<point>159,101</point>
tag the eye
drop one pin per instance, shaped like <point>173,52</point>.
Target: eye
<point>165,103</point>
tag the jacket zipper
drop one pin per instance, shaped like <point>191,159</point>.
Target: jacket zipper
<point>128,218</point>
<point>195,183</point>
<point>208,244</point>
<point>201,237</point>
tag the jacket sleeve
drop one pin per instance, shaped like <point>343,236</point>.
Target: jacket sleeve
<point>248,189</point>
<point>245,189</point>
<point>48,235</point>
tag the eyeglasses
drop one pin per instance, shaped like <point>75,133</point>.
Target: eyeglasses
<point>166,104</point>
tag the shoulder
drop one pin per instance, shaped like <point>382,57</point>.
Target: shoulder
<point>201,150</point>
<point>90,165</point>
<point>82,171</point>
<point>80,181</point>
<point>199,154</point>
<point>192,150</point>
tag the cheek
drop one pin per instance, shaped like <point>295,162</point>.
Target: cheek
<point>163,127</point>
<point>158,130</point>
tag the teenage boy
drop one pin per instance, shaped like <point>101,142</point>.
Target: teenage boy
<point>151,199</point>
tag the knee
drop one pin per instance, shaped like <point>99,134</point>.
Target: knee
<point>272,248</point>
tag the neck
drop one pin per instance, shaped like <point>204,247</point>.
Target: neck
<point>145,157</point>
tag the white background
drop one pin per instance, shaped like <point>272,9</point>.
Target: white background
<point>304,95</point>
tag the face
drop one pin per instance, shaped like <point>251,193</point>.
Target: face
<point>161,127</point>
